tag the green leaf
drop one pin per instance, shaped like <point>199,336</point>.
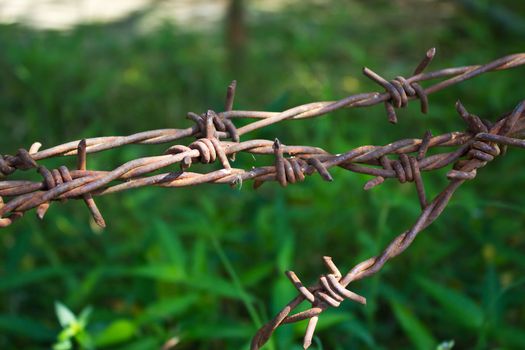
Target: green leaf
<point>84,339</point>
<point>446,345</point>
<point>360,331</point>
<point>67,333</point>
<point>510,337</point>
<point>146,343</point>
<point>89,283</point>
<point>63,345</point>
<point>17,280</point>
<point>83,318</point>
<point>254,275</point>
<point>24,327</point>
<point>199,259</point>
<point>420,336</point>
<point>282,292</point>
<point>224,330</point>
<point>167,308</point>
<point>216,286</point>
<point>332,318</point>
<point>161,272</point>
<point>170,244</point>
<point>117,332</point>
<point>285,253</point>
<point>459,308</point>
<point>173,274</point>
<point>64,315</point>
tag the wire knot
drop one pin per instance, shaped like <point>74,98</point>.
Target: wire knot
<point>288,170</point>
<point>292,170</point>
<point>21,161</point>
<point>328,292</point>
<point>56,177</point>
<point>482,151</point>
<point>210,122</point>
<point>474,123</point>
<point>401,89</point>
<point>176,149</point>
<point>209,149</point>
<point>406,169</point>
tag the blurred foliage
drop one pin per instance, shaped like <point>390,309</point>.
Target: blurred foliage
<point>203,267</point>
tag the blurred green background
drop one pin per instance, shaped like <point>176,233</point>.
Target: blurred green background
<point>203,267</point>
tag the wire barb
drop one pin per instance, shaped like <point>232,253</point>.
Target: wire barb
<point>401,89</point>
<point>216,138</point>
<point>88,198</point>
<point>328,292</point>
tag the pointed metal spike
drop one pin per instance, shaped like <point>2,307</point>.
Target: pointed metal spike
<point>310,330</point>
<point>429,56</point>
<point>42,210</point>
<point>230,95</point>
<point>81,155</point>
<point>95,212</point>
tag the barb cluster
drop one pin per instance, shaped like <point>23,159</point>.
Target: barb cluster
<point>217,140</point>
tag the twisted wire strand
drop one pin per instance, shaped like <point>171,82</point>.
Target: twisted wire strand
<point>310,110</point>
<point>306,161</point>
<point>222,127</point>
<point>481,148</point>
<point>404,160</point>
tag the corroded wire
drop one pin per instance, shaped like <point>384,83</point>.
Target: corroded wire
<point>479,149</point>
<point>454,75</point>
<point>404,160</point>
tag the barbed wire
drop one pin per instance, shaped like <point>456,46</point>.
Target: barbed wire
<point>480,145</point>
<point>218,140</point>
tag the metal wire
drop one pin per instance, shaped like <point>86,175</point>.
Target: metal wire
<point>403,160</point>
<point>476,149</point>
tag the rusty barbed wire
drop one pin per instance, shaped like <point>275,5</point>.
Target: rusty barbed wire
<point>479,144</point>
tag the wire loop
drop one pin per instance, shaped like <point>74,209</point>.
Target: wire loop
<point>401,90</point>
<point>21,161</point>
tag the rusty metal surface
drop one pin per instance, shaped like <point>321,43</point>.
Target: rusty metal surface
<point>218,140</point>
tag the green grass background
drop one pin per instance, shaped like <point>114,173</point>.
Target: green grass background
<point>206,264</point>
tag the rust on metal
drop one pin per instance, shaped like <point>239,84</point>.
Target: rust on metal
<point>217,138</point>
